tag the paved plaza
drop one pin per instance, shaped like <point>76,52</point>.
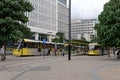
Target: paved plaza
<point>59,68</point>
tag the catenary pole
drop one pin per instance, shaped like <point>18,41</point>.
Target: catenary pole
<point>69,35</point>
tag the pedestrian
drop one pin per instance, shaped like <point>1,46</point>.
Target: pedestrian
<point>102,51</point>
<point>63,52</point>
<point>48,52</point>
<point>114,51</point>
<point>55,50</point>
<point>108,52</point>
<point>2,52</point>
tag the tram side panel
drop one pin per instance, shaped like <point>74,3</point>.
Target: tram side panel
<point>32,47</point>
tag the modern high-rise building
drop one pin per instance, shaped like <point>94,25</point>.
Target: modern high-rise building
<point>63,17</point>
<point>48,18</point>
<point>63,1</point>
<point>83,28</point>
<point>43,20</point>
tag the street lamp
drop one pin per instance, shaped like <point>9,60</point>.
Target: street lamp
<point>69,41</point>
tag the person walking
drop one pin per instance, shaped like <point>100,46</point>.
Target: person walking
<point>55,50</point>
<point>102,51</point>
<point>2,52</point>
<point>108,51</point>
<point>48,52</point>
<point>114,51</point>
<point>63,52</point>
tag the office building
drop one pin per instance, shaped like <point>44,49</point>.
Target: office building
<point>43,20</point>
<point>83,28</point>
<point>63,1</point>
<point>63,17</point>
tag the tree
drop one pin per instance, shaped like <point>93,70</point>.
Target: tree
<point>60,37</point>
<point>108,28</point>
<point>13,19</point>
<point>83,39</point>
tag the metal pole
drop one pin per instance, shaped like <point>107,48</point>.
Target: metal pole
<point>69,43</point>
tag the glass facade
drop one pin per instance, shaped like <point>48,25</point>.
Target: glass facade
<point>63,19</point>
<point>43,18</point>
<point>42,36</point>
<point>63,1</point>
<point>83,28</point>
<point>48,16</point>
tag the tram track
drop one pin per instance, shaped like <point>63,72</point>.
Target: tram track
<point>13,65</point>
<point>20,69</point>
<point>38,67</point>
<point>43,64</point>
<point>6,67</point>
<point>16,64</point>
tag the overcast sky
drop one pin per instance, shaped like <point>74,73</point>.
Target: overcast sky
<point>86,9</point>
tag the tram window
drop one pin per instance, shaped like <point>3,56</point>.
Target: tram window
<point>23,44</point>
<point>91,47</point>
<point>31,45</point>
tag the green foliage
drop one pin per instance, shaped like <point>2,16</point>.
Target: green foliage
<point>13,19</point>
<point>60,37</point>
<point>83,39</point>
<point>93,38</point>
<point>108,30</point>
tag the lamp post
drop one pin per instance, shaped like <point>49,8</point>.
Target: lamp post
<point>69,41</point>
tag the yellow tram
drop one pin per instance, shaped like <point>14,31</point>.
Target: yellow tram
<point>94,49</point>
<point>28,47</point>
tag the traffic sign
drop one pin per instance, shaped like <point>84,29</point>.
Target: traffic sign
<point>44,41</point>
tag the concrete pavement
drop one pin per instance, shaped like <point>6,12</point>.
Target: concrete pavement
<point>59,68</point>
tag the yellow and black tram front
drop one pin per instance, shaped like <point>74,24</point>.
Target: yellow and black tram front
<point>27,47</point>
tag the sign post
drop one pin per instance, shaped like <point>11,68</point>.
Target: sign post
<point>44,42</point>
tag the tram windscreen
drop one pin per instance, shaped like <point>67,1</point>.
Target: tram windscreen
<point>17,45</point>
<point>91,47</point>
